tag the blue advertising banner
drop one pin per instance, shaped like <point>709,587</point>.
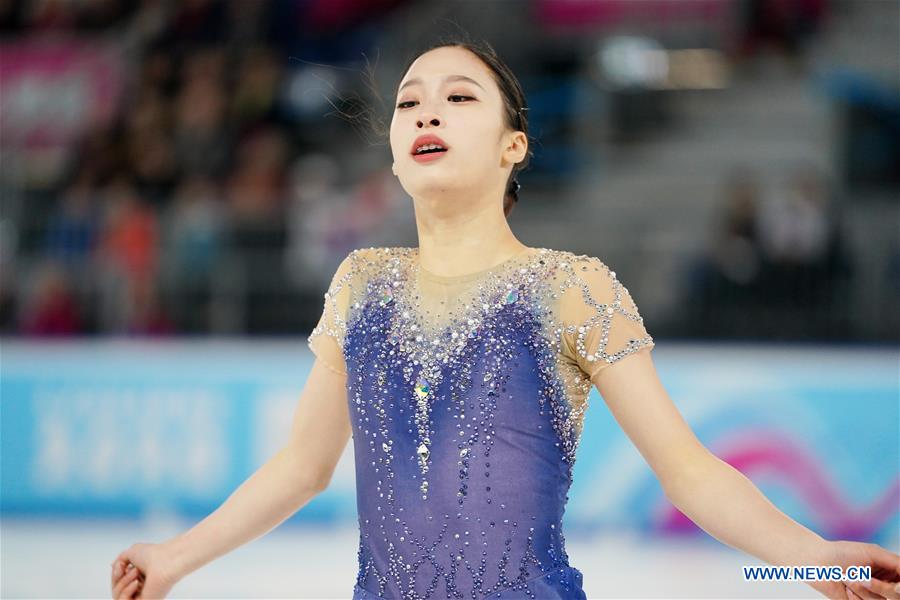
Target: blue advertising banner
<point>120,428</point>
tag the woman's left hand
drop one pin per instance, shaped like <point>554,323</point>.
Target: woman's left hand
<point>885,567</point>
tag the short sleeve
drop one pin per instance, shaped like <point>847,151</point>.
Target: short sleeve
<point>327,338</point>
<point>601,322</point>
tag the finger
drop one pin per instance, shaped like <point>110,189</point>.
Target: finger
<point>850,594</point>
<point>123,582</point>
<point>130,589</point>
<point>120,564</point>
<point>835,592</point>
<point>862,592</point>
<point>125,555</point>
<point>149,590</point>
<point>885,558</point>
<point>884,589</point>
<point>116,572</point>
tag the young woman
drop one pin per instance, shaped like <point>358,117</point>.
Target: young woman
<point>462,369</point>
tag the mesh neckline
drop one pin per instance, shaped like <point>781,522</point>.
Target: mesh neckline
<point>426,274</point>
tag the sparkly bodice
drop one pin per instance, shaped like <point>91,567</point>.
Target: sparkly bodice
<point>467,396</point>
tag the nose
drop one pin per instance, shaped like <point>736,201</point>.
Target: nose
<point>430,118</point>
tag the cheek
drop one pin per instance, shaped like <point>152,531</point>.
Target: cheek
<point>394,141</point>
<point>398,147</point>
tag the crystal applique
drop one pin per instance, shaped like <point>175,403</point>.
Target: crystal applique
<point>422,388</point>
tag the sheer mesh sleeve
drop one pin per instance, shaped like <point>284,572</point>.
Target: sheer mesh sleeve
<point>327,338</point>
<point>601,322</point>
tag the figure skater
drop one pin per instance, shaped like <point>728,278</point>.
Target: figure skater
<point>462,369</point>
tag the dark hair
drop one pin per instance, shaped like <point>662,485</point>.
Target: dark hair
<point>515,108</point>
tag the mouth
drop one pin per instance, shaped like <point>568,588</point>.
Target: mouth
<point>429,156</point>
<point>428,148</point>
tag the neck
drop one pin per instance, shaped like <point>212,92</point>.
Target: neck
<point>457,238</point>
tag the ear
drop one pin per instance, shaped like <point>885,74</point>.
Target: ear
<point>516,147</point>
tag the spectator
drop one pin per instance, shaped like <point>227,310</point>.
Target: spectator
<point>72,228</point>
<point>256,90</point>
<point>50,307</point>
<point>201,139</point>
<point>126,253</point>
<point>146,315</point>
<point>724,282</point>
<point>128,240</point>
<point>803,255</point>
<point>316,210</point>
<point>192,233</point>
<point>154,167</point>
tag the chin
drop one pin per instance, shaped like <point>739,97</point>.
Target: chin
<point>423,184</point>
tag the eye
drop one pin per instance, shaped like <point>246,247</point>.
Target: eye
<point>409,103</point>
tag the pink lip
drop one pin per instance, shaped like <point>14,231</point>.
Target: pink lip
<point>428,138</point>
<point>426,158</point>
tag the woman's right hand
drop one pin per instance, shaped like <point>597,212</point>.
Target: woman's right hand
<point>142,571</point>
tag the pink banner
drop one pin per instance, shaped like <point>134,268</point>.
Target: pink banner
<point>607,13</point>
<point>51,90</point>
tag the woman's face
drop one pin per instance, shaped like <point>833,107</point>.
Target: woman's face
<point>450,93</point>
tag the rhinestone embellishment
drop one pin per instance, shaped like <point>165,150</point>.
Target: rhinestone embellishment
<point>466,399</point>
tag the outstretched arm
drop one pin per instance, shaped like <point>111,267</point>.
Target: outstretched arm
<point>278,489</point>
<point>716,496</point>
<point>290,479</point>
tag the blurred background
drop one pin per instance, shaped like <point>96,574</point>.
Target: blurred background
<point>179,180</point>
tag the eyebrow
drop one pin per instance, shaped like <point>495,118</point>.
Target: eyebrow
<point>416,80</point>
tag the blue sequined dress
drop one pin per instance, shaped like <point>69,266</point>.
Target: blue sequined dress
<point>466,397</point>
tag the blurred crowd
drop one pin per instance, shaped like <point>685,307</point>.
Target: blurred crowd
<point>774,254</point>
<point>208,179</point>
<point>175,166</point>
